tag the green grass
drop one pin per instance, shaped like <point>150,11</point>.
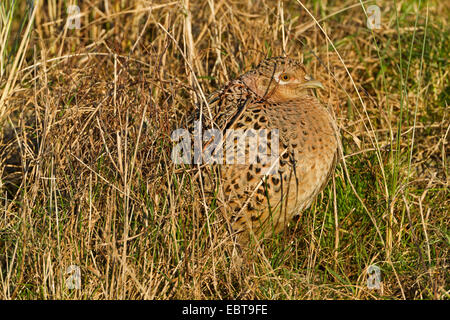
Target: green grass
<point>98,189</point>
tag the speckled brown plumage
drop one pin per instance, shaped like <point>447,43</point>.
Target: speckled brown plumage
<point>275,95</point>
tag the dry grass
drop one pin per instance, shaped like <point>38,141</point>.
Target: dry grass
<point>86,175</point>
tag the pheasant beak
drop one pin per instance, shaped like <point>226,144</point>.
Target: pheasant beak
<point>311,83</point>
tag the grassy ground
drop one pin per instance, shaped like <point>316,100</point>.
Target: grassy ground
<point>86,177</point>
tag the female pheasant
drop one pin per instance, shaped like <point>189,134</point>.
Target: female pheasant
<point>261,194</point>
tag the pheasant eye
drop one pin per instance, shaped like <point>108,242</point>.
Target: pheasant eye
<point>285,77</point>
